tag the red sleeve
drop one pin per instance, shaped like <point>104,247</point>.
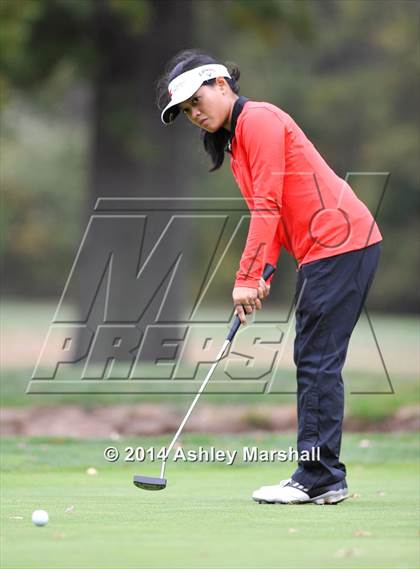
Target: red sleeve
<point>263,138</point>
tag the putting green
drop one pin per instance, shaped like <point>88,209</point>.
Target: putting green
<point>205,518</point>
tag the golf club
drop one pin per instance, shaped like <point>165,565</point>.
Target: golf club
<point>151,483</point>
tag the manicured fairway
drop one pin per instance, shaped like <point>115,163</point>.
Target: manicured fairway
<point>205,517</point>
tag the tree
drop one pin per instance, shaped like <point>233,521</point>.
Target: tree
<point>118,46</point>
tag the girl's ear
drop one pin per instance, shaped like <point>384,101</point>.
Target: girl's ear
<point>220,82</point>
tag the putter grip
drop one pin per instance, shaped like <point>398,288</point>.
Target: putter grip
<point>268,271</point>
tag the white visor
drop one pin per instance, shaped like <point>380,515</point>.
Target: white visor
<point>185,85</point>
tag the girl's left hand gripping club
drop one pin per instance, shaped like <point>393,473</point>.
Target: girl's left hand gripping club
<point>150,483</point>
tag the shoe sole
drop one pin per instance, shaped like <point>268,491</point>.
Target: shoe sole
<point>329,498</point>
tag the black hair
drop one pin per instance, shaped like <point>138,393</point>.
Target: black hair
<point>214,142</point>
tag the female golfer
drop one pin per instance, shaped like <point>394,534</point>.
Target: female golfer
<point>296,202</point>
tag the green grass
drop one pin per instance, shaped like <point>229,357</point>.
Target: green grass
<point>372,406</point>
<point>397,336</point>
<point>205,517</point>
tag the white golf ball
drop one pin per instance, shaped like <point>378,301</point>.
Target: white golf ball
<point>40,517</point>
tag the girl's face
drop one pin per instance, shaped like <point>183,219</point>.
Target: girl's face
<point>210,107</point>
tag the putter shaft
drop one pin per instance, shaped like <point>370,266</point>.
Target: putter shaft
<point>196,398</point>
<point>149,483</point>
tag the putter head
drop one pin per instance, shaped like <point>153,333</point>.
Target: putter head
<point>149,483</point>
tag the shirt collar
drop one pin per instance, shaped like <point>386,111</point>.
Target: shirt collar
<point>237,109</point>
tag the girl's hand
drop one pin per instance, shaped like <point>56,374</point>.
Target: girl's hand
<point>263,289</point>
<point>246,300</point>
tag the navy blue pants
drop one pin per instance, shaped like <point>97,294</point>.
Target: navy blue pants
<point>330,294</point>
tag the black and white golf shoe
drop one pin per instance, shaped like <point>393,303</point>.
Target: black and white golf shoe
<point>291,492</point>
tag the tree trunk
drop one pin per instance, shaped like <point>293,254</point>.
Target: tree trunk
<point>133,156</point>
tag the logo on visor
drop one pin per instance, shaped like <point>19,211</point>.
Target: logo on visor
<point>207,73</point>
<point>175,87</point>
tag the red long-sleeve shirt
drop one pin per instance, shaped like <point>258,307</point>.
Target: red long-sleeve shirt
<point>296,200</point>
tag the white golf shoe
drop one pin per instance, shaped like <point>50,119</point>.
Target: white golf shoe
<point>291,492</point>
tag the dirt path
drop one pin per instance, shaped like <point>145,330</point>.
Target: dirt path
<point>151,419</point>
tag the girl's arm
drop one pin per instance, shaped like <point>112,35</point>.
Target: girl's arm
<point>263,138</point>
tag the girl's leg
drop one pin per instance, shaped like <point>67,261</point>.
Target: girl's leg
<point>333,292</point>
